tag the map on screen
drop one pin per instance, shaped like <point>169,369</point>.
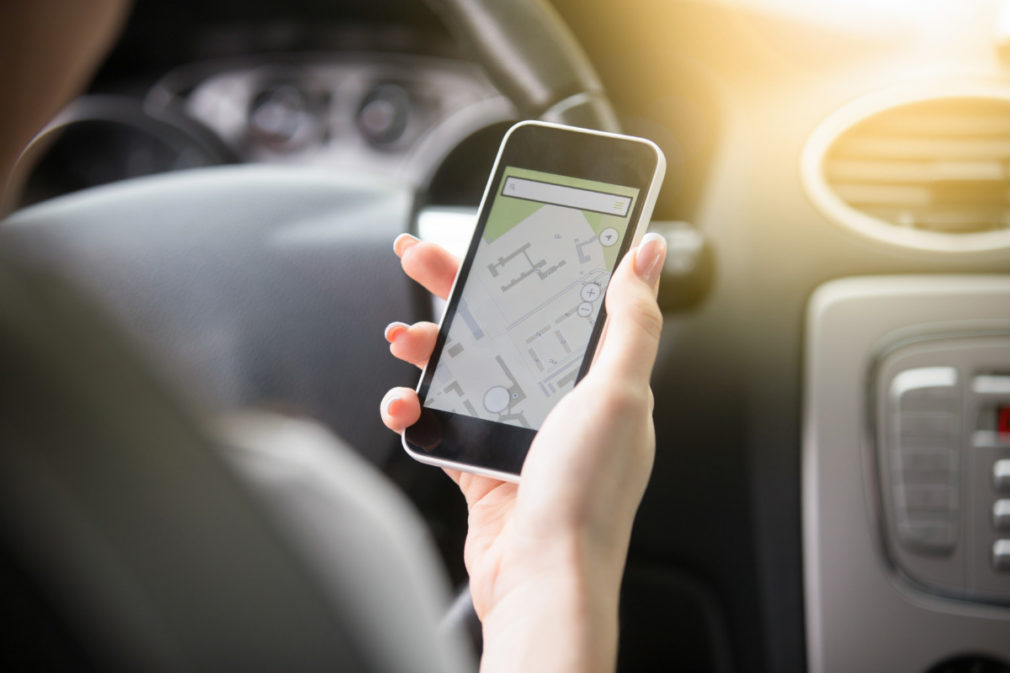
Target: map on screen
<point>516,342</point>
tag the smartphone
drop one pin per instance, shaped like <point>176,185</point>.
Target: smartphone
<point>562,207</point>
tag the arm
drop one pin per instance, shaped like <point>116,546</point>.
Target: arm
<point>546,556</point>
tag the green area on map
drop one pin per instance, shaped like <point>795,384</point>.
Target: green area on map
<point>506,213</point>
<point>509,211</point>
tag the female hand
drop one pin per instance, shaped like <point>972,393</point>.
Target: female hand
<point>546,556</point>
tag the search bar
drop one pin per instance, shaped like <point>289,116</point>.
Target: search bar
<point>570,197</point>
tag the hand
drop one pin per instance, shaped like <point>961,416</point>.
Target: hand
<point>546,556</point>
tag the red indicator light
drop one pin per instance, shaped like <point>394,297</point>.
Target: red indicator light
<point>1003,419</point>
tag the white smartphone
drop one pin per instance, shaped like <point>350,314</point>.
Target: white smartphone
<point>562,207</point>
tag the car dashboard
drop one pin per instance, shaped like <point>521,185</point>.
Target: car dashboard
<point>837,205</point>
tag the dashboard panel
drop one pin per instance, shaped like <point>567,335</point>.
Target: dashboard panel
<point>382,114</point>
<point>393,117</point>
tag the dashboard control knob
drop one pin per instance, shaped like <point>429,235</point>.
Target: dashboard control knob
<point>383,114</point>
<point>278,116</point>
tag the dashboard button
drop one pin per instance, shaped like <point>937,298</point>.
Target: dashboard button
<point>991,385</point>
<point>931,536</point>
<point>1001,555</point>
<point>1001,475</point>
<point>917,498</point>
<point>936,464</point>
<point>914,426</point>
<point>1001,515</point>
<point>925,387</point>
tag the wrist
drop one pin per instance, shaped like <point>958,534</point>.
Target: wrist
<point>556,610</point>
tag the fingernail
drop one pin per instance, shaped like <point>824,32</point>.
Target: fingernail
<point>390,402</point>
<point>402,242</point>
<point>650,256</point>
<point>394,329</point>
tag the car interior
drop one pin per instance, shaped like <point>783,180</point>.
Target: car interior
<point>831,490</point>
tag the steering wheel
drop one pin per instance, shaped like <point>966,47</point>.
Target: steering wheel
<point>264,286</point>
<point>260,285</point>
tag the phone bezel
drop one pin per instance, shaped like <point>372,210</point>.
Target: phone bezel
<point>498,449</point>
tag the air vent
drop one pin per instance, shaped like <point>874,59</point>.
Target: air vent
<point>932,173</point>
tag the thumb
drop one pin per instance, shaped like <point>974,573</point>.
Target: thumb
<point>634,321</point>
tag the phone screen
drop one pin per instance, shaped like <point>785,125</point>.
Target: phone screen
<point>518,337</point>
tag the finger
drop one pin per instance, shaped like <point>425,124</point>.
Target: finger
<point>634,321</point>
<point>412,343</point>
<point>400,409</point>
<point>429,264</point>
